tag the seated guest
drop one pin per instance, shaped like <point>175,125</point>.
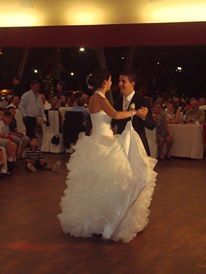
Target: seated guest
<point>13,102</point>
<point>34,158</point>
<point>177,102</point>
<point>173,114</point>
<point>75,95</point>
<point>202,103</point>
<point>85,98</point>
<point>162,131</point>
<point>44,101</point>
<point>55,103</point>
<point>70,98</point>
<point>24,140</point>
<point>8,144</point>
<point>61,89</point>
<point>194,114</point>
<point>6,120</point>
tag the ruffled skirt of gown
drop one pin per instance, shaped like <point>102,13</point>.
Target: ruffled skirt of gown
<point>109,187</point>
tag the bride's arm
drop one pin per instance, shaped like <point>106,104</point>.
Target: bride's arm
<point>108,108</point>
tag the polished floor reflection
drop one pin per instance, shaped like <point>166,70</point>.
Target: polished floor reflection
<point>31,240</point>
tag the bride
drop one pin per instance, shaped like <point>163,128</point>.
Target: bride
<point>111,178</point>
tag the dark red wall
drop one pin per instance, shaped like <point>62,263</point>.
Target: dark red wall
<point>105,35</point>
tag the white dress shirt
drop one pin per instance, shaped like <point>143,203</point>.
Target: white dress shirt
<point>127,100</point>
<point>30,105</point>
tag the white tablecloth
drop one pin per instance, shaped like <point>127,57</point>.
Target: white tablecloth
<point>151,139</point>
<point>188,140</point>
<point>63,111</point>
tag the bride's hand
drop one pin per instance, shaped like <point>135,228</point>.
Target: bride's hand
<point>142,112</point>
<point>133,112</point>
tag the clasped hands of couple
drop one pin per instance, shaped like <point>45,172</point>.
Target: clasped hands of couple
<point>141,112</point>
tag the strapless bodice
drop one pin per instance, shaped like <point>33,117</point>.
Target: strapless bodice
<point>101,124</point>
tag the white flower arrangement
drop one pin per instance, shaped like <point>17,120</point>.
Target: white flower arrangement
<point>132,106</point>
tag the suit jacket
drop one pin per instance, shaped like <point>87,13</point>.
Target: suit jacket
<point>138,124</point>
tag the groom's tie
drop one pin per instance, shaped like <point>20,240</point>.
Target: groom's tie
<point>125,103</point>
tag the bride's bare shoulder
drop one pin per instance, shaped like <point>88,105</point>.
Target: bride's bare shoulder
<point>95,98</point>
<point>92,98</point>
<point>94,103</point>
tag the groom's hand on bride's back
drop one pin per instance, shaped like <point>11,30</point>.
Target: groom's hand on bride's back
<point>142,112</point>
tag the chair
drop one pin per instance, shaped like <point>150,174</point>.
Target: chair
<point>19,121</point>
<point>51,129</point>
<point>72,126</point>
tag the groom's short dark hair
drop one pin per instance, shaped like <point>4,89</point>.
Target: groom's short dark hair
<point>131,74</point>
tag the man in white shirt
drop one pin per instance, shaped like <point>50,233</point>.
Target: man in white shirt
<point>31,108</point>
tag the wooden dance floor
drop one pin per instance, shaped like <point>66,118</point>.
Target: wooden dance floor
<point>174,242</point>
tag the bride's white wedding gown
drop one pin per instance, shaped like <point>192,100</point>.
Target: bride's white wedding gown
<point>109,185</point>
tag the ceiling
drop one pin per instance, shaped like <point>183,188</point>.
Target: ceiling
<point>22,13</point>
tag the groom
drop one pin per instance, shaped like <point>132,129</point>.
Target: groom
<point>127,97</point>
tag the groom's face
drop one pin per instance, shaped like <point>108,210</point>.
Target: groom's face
<point>126,86</point>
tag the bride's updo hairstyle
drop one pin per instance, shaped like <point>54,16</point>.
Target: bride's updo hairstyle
<point>96,79</point>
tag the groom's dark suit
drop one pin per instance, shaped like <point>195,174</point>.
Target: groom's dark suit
<point>138,124</point>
